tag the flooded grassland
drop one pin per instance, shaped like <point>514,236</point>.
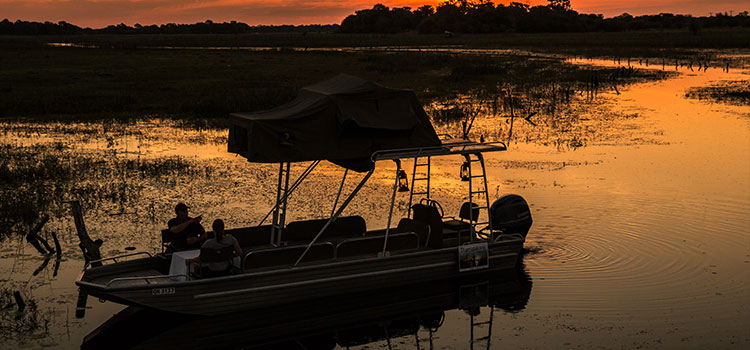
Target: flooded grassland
<point>640,196</point>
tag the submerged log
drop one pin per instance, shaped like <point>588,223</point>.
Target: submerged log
<point>46,245</point>
<point>38,242</point>
<point>35,243</point>
<point>41,266</point>
<point>19,301</point>
<point>89,247</point>
<point>58,253</point>
<point>57,267</point>
<point>58,250</point>
<point>81,304</point>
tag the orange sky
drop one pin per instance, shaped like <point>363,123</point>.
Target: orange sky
<point>99,13</point>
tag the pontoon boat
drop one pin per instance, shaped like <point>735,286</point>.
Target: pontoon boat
<point>355,124</point>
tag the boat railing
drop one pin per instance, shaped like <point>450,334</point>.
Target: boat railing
<point>115,258</point>
<point>146,278</point>
<point>402,238</point>
<point>460,147</point>
<point>288,249</point>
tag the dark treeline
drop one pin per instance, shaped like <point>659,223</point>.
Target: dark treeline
<point>208,27</point>
<point>481,16</point>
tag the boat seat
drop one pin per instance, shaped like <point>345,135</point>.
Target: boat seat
<point>468,214</point>
<point>429,215</point>
<point>372,246</point>
<point>420,228</point>
<point>210,255</point>
<point>171,241</point>
<point>286,256</point>
<point>251,236</point>
<point>306,230</point>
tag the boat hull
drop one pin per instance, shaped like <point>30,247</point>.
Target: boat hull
<point>253,290</point>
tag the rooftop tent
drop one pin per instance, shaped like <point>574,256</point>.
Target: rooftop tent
<point>344,120</point>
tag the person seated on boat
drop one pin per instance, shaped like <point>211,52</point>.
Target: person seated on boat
<point>190,232</point>
<point>221,240</point>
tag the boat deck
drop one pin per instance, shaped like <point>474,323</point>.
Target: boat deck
<point>133,278</point>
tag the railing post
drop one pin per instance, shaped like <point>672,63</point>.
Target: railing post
<point>390,212</point>
<point>291,189</point>
<point>336,215</point>
<point>341,187</point>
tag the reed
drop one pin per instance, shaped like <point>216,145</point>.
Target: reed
<point>37,179</point>
<point>26,322</point>
<point>732,92</point>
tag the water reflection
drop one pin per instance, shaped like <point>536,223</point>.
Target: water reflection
<point>642,233</point>
<point>409,317</point>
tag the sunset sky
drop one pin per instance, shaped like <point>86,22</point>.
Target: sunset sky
<point>99,13</point>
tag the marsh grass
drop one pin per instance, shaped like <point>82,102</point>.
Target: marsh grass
<point>731,92</point>
<point>78,83</point>
<point>37,179</point>
<point>558,109</point>
<point>17,325</point>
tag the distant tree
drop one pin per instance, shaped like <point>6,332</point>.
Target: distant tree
<point>559,4</point>
<point>694,27</point>
<point>428,26</point>
<point>424,11</point>
<point>519,5</point>
<point>463,5</point>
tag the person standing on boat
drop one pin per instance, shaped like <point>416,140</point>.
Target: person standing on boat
<point>190,233</point>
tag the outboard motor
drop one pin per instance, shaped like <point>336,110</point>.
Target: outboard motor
<point>511,214</point>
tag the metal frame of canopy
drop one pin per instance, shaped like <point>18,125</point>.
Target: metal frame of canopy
<point>449,147</point>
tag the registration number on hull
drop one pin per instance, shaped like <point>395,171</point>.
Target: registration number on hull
<point>162,291</point>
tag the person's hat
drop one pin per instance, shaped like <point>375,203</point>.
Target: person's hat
<point>180,207</point>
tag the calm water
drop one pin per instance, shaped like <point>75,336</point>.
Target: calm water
<point>640,237</point>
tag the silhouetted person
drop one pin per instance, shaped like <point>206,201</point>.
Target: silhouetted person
<point>220,241</point>
<point>189,230</point>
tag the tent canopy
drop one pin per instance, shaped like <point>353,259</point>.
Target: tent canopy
<point>344,120</point>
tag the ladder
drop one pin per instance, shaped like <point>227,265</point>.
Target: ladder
<point>479,324</point>
<point>279,213</point>
<point>421,173</point>
<point>482,190</point>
